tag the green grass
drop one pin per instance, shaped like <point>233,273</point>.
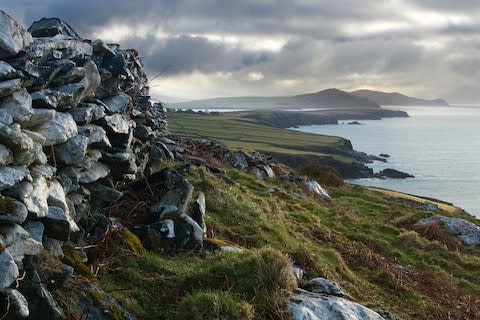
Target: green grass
<point>356,240</point>
<point>236,132</point>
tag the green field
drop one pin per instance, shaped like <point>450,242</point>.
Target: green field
<point>236,132</point>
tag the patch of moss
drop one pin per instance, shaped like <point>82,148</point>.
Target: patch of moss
<point>6,204</point>
<point>133,242</point>
<point>73,258</point>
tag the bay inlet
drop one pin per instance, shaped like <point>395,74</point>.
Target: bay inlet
<point>440,146</point>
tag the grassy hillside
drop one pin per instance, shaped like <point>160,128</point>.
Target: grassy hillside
<point>237,132</point>
<point>364,240</point>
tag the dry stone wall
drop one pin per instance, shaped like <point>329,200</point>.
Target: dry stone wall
<point>75,118</point>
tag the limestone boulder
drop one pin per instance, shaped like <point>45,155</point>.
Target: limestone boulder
<point>18,105</point>
<point>12,211</point>
<point>13,36</point>
<point>72,151</point>
<point>39,117</point>
<point>313,306</point>
<point>8,269</point>
<point>50,27</point>
<point>9,86</point>
<point>58,224</point>
<point>6,156</point>
<point>13,137</point>
<point>467,232</point>
<point>7,72</point>
<point>317,189</point>
<point>11,175</point>
<point>179,191</point>
<point>58,130</point>
<point>322,285</point>
<point>18,242</point>
<point>18,303</point>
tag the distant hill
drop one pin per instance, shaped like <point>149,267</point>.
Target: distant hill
<point>330,98</point>
<point>397,99</point>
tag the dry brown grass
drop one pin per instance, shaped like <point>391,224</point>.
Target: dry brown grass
<point>436,232</point>
<point>325,175</point>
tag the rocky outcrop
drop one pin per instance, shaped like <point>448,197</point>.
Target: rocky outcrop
<point>468,233</point>
<point>394,174</point>
<point>323,299</point>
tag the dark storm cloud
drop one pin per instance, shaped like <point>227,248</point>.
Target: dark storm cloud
<point>433,42</point>
<point>186,54</point>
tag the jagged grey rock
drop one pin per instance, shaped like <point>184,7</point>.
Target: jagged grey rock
<point>467,232</point>
<point>18,241</point>
<point>95,172</point>
<point>317,189</point>
<point>7,72</point>
<point>56,196</point>
<point>13,212</point>
<point>13,36</point>
<point>18,105</point>
<point>6,156</point>
<point>54,246</point>
<point>180,217</point>
<point>11,175</point>
<point>118,103</point>
<point>27,157</point>
<point>142,132</point>
<point>263,172</point>
<point>82,115</point>
<point>76,92</point>
<point>5,118</point>
<point>58,224</point>
<point>179,192</point>
<point>18,303</point>
<point>102,194</point>
<point>239,160</point>
<point>34,195</point>
<point>322,285</point>
<point>120,163</point>
<point>13,137</point>
<point>35,229</point>
<point>58,130</point>
<point>198,212</point>
<point>8,269</point>
<point>97,137</point>
<point>36,137</point>
<point>39,117</point>
<point>119,130</point>
<point>75,50</point>
<point>45,170</point>
<point>10,86</point>
<point>72,151</point>
<point>40,300</point>
<point>313,306</point>
<point>74,75</point>
<point>49,27</point>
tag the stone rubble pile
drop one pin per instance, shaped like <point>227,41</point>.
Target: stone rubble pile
<point>75,118</point>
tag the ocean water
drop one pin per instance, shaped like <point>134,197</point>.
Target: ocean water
<point>439,146</point>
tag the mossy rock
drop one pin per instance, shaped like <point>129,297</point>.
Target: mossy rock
<point>74,259</point>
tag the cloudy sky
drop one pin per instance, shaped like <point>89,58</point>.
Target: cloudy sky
<point>207,48</point>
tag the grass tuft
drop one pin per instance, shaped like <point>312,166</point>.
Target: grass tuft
<point>214,305</point>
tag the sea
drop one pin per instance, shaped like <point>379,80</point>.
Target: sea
<point>440,146</point>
